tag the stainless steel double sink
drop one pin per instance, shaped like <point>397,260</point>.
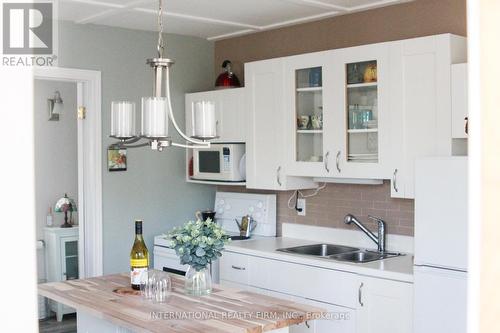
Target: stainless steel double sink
<point>339,252</point>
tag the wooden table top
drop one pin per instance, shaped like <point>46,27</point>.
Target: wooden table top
<point>225,310</point>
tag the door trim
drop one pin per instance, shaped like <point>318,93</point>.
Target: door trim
<point>88,83</point>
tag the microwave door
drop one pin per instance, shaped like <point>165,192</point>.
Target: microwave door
<point>209,161</point>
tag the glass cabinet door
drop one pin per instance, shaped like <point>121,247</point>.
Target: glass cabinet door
<point>362,112</point>
<point>69,253</point>
<point>309,114</point>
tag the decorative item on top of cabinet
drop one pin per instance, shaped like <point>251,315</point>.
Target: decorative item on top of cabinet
<point>266,139</point>
<point>227,79</point>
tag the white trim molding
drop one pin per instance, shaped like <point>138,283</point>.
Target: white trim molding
<point>89,163</point>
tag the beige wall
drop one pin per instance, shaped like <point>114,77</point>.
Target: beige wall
<point>413,19</point>
<point>408,20</point>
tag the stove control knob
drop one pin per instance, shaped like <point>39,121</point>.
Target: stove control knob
<point>260,205</point>
<point>251,209</point>
<point>228,207</point>
<point>220,211</point>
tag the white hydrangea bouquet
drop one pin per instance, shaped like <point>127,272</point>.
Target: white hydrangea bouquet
<point>198,243</point>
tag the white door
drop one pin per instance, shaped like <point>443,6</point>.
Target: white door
<point>441,201</point>
<point>308,107</point>
<point>459,101</point>
<point>229,113</point>
<point>266,139</point>
<point>440,300</point>
<point>384,306</point>
<point>361,98</point>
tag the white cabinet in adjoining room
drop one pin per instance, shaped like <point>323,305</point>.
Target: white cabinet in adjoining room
<point>266,125</point>
<point>421,114</point>
<point>62,261</point>
<point>229,113</point>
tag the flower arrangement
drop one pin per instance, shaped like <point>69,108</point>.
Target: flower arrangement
<point>198,243</point>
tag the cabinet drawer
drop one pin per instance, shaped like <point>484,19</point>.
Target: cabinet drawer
<point>234,267</point>
<point>321,284</point>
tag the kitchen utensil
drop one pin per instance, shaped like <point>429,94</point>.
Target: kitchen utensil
<point>206,214</point>
<point>246,226</point>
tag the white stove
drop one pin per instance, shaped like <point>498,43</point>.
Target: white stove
<point>228,207</point>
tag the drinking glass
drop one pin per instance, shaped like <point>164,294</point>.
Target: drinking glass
<point>147,285</point>
<point>162,287</point>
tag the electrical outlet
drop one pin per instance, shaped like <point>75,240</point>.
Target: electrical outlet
<point>301,204</point>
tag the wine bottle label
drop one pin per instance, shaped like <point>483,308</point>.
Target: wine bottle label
<point>139,262</point>
<point>138,275</point>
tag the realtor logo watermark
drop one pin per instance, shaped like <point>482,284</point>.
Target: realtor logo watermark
<point>29,30</point>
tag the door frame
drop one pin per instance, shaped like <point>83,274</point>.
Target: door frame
<point>88,82</point>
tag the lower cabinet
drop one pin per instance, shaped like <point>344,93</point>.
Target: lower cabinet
<point>354,303</point>
<point>384,306</point>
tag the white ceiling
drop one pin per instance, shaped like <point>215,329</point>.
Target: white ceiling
<point>211,19</point>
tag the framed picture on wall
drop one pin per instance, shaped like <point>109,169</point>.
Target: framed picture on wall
<point>117,159</point>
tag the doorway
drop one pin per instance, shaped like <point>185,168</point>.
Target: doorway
<point>68,199</point>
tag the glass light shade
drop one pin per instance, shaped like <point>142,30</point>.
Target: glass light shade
<point>63,204</point>
<point>154,117</point>
<point>123,119</point>
<point>203,118</point>
<point>58,107</point>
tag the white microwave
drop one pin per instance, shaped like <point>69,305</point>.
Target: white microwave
<point>224,162</point>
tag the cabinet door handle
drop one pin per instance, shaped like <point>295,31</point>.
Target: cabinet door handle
<point>337,160</point>
<point>466,126</point>
<point>326,161</point>
<point>238,268</point>
<point>394,180</point>
<point>278,175</point>
<point>359,294</point>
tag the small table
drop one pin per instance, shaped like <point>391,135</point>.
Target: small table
<point>102,306</point>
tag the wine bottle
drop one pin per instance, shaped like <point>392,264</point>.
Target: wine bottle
<point>139,258</point>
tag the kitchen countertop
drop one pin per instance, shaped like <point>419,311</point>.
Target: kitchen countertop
<point>97,296</point>
<point>396,268</point>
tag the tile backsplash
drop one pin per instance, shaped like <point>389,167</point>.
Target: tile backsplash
<point>330,205</point>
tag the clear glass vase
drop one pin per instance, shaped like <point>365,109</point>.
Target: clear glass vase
<point>198,283</point>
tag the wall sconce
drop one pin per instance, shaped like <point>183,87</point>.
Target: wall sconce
<point>55,105</point>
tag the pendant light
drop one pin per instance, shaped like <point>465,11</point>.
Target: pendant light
<point>156,111</point>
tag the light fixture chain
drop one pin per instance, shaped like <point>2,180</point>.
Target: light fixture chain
<point>161,45</point>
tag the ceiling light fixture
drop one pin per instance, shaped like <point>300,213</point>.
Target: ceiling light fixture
<point>156,111</point>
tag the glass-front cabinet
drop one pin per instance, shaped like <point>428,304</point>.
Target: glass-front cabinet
<point>338,113</point>
<point>307,102</point>
<point>363,74</point>
<point>69,252</point>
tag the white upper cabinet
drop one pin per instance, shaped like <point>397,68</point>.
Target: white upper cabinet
<point>420,87</point>
<point>459,101</point>
<point>309,124</point>
<point>361,107</point>
<point>337,111</point>
<point>265,118</point>
<point>229,113</point>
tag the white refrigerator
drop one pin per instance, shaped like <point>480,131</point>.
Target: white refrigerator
<point>440,271</point>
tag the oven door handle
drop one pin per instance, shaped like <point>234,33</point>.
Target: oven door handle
<point>173,271</point>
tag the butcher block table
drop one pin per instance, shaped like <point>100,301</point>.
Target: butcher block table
<point>108,304</point>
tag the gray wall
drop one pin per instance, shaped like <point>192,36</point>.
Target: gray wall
<point>56,168</point>
<point>153,187</point>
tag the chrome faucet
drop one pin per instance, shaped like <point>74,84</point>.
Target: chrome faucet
<point>379,239</point>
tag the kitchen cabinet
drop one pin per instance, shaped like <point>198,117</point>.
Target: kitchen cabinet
<point>420,87</point>
<point>459,101</point>
<point>338,113</point>
<point>266,141</point>
<point>384,306</point>
<point>62,261</point>
<point>361,96</point>
<point>354,303</point>
<point>229,113</point>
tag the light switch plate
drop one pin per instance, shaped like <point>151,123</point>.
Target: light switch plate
<point>301,203</point>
